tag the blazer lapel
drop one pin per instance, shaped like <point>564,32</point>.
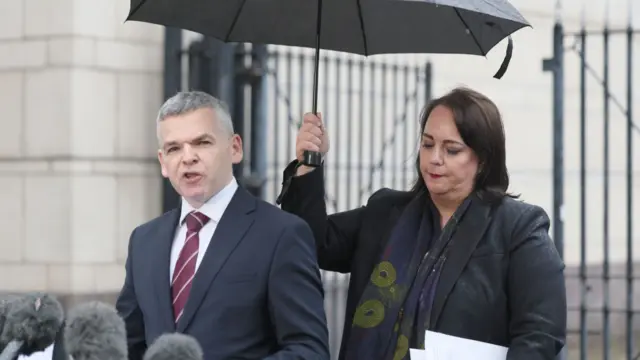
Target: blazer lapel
<point>464,241</point>
<point>234,224</point>
<point>161,259</point>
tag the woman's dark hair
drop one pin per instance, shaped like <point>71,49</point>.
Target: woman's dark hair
<point>480,125</point>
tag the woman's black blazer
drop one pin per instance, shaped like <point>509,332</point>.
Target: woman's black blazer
<point>503,282</point>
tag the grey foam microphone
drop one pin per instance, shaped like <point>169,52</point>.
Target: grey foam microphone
<point>5,302</point>
<point>31,323</point>
<point>95,331</point>
<point>4,309</point>
<point>174,346</point>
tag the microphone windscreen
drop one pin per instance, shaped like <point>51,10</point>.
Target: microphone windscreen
<point>95,331</point>
<point>34,320</point>
<point>5,302</point>
<point>174,346</point>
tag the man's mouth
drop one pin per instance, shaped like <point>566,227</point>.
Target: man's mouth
<point>192,175</point>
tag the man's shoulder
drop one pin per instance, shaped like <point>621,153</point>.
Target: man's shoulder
<point>276,216</point>
<point>155,223</point>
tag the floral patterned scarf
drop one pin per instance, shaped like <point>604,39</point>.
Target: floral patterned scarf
<point>395,308</point>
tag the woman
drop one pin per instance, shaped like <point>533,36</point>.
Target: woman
<point>457,254</point>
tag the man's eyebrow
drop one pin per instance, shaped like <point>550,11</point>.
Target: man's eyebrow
<point>203,137</point>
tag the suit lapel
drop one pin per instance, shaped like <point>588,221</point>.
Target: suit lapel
<point>234,224</point>
<point>464,241</point>
<point>161,257</point>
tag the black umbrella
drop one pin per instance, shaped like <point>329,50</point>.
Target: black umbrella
<point>365,27</point>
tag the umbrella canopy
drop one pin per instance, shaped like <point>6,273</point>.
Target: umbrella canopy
<point>365,27</point>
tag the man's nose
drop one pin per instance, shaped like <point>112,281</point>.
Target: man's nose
<point>189,155</point>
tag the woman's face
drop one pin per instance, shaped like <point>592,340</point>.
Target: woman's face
<point>447,164</point>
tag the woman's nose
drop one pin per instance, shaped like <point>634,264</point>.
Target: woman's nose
<point>436,156</point>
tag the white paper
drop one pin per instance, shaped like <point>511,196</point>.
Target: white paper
<point>446,347</point>
<point>47,354</point>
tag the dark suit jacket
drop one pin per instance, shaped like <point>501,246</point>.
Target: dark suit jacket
<point>503,282</point>
<point>59,350</point>
<point>256,295</point>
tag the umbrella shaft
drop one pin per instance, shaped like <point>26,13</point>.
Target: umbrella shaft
<point>317,63</point>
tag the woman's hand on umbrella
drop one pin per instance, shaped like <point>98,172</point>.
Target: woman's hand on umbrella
<point>312,136</point>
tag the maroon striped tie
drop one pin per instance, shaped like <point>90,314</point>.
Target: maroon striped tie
<point>185,268</point>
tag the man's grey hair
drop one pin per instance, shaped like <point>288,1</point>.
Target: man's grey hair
<point>185,102</point>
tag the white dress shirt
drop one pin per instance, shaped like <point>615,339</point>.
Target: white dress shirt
<point>213,208</point>
<point>46,354</point>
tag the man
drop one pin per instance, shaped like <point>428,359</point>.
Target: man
<point>236,273</point>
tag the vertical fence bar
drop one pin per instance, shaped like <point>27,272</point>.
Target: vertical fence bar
<point>238,110</point>
<point>288,92</point>
<point>259,109</point>
<point>583,195</point>
<point>302,89</point>
<point>350,119</point>
<point>428,87</point>
<point>172,84</point>
<point>383,123</point>
<point>336,123</point>
<point>555,65</point>
<point>418,104</point>
<point>629,176</point>
<point>339,120</point>
<point>398,144</point>
<point>407,129</point>
<point>361,71</point>
<point>326,105</point>
<point>276,125</point>
<point>606,310</point>
<point>372,125</point>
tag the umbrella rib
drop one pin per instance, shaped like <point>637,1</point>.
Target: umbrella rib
<point>466,26</point>
<point>364,33</point>
<point>235,20</point>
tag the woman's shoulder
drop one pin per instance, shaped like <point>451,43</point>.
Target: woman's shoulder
<point>520,219</point>
<point>519,210</point>
<point>389,197</point>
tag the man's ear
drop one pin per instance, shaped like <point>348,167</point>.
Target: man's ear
<point>237,154</point>
<point>163,168</point>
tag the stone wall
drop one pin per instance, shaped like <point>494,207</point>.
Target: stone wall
<point>78,92</point>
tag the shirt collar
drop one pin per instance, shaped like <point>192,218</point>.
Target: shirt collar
<point>215,206</point>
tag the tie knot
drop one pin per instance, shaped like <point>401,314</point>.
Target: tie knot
<point>196,220</point>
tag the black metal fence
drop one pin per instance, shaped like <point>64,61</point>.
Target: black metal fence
<point>370,107</point>
<point>602,288</point>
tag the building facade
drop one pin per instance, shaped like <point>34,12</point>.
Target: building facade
<point>79,92</point>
